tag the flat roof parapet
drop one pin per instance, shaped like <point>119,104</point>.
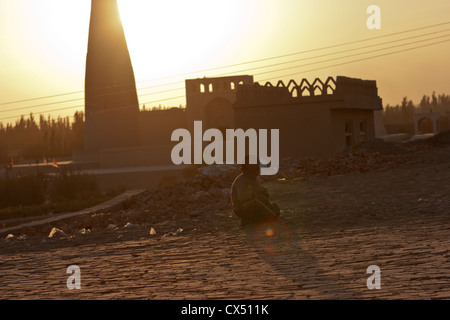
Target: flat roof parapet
<point>347,85</point>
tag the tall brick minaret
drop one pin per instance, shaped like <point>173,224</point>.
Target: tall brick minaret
<point>111,103</point>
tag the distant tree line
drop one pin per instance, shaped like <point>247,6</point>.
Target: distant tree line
<point>30,139</point>
<point>404,112</point>
<point>48,137</point>
<point>160,107</point>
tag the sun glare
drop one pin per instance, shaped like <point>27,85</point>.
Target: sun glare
<point>171,37</point>
<point>60,36</point>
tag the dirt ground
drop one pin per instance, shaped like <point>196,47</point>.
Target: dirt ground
<point>331,230</point>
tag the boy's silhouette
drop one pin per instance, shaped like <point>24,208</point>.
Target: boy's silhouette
<point>249,198</point>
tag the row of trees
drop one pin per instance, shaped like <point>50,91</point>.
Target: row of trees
<point>33,139</point>
<point>404,112</point>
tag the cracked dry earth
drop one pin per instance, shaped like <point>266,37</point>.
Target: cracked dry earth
<point>332,229</point>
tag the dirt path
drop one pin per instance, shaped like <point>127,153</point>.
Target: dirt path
<point>332,229</point>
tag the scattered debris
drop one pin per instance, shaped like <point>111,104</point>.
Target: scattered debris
<point>57,232</point>
<point>84,231</point>
<point>9,236</point>
<point>173,234</point>
<point>111,226</point>
<point>23,237</point>
<point>131,225</point>
<point>194,199</point>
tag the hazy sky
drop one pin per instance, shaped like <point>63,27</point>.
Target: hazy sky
<point>43,46</point>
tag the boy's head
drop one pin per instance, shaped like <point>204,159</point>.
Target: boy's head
<point>251,169</point>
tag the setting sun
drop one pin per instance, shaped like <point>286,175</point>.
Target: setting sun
<point>169,37</point>
<point>171,40</point>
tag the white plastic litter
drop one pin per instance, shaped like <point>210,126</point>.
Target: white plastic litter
<point>57,232</point>
<point>84,231</point>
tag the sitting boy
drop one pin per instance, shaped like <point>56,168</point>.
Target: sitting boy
<point>249,198</point>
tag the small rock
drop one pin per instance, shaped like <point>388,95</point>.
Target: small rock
<point>23,237</point>
<point>152,231</point>
<point>111,226</point>
<point>131,225</point>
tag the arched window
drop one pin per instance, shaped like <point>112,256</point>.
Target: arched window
<point>305,92</point>
<point>202,88</point>
<point>317,91</point>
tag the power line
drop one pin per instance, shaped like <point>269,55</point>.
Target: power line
<point>324,55</point>
<point>359,60</point>
<point>101,111</point>
<point>254,68</point>
<point>352,55</point>
<point>43,112</point>
<point>320,68</point>
<point>330,66</point>
<point>40,98</point>
<point>309,51</point>
<point>248,62</point>
<point>95,96</point>
<point>286,75</point>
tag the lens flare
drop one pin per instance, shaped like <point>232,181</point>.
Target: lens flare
<point>269,232</point>
<point>271,238</point>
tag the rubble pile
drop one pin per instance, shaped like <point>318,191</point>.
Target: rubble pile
<point>192,201</point>
<point>374,155</point>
